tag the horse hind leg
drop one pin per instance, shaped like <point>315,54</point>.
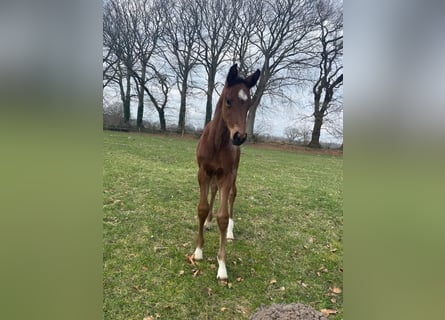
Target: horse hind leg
<point>203,210</point>
<point>232,197</point>
<point>213,190</point>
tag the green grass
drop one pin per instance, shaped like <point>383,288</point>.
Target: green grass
<point>288,232</point>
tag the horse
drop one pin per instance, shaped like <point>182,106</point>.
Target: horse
<point>218,156</point>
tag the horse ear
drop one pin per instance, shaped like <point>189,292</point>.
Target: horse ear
<point>252,79</point>
<point>233,75</point>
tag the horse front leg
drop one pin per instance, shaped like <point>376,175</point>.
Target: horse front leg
<point>232,197</point>
<point>203,210</point>
<point>213,190</point>
<point>224,186</point>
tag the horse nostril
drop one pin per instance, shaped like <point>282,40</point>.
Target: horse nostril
<point>237,139</point>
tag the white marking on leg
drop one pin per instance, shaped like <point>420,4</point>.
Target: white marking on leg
<point>242,95</point>
<point>198,254</point>
<point>222,271</point>
<point>230,230</point>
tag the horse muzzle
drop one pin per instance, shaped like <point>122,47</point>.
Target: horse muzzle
<point>238,139</point>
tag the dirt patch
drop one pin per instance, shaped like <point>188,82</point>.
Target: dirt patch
<point>294,311</point>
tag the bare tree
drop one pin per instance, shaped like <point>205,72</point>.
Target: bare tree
<point>109,66</point>
<point>246,55</point>
<point>333,122</point>
<point>218,20</point>
<point>301,134</point>
<point>132,30</point>
<point>291,133</point>
<point>282,36</point>
<point>118,38</point>
<point>113,116</point>
<point>146,23</point>
<point>330,76</point>
<point>158,94</point>
<point>180,46</point>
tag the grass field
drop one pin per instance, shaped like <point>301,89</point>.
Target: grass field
<point>288,232</point>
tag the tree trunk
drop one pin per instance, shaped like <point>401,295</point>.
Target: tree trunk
<point>140,114</point>
<point>159,109</point>
<point>315,141</point>
<point>210,86</point>
<point>126,100</point>
<point>183,105</point>
<point>251,122</point>
<point>162,119</point>
<point>255,103</point>
<point>141,98</point>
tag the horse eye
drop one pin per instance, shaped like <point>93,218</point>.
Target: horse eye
<point>228,102</point>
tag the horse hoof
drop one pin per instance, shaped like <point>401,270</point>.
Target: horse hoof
<point>198,254</point>
<point>222,271</point>
<point>223,282</point>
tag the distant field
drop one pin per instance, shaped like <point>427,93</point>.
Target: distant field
<point>288,232</point>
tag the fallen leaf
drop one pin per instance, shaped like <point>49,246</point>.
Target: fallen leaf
<point>333,300</point>
<point>223,309</point>
<point>336,290</point>
<point>273,281</point>
<point>327,312</point>
<point>209,291</point>
<point>190,259</point>
<point>334,250</point>
<point>305,285</point>
<point>181,272</point>
<point>196,273</point>
<point>229,285</point>
<point>323,269</point>
<point>148,318</point>
<point>242,309</point>
<point>283,289</point>
<point>239,279</point>
<point>213,266</point>
<point>318,273</point>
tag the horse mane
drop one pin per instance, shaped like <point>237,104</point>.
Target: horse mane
<point>219,137</point>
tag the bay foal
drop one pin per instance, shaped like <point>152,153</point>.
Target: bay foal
<point>218,157</point>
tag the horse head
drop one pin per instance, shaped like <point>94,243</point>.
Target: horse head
<point>236,101</point>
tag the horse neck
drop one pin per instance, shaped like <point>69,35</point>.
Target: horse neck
<point>219,130</point>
